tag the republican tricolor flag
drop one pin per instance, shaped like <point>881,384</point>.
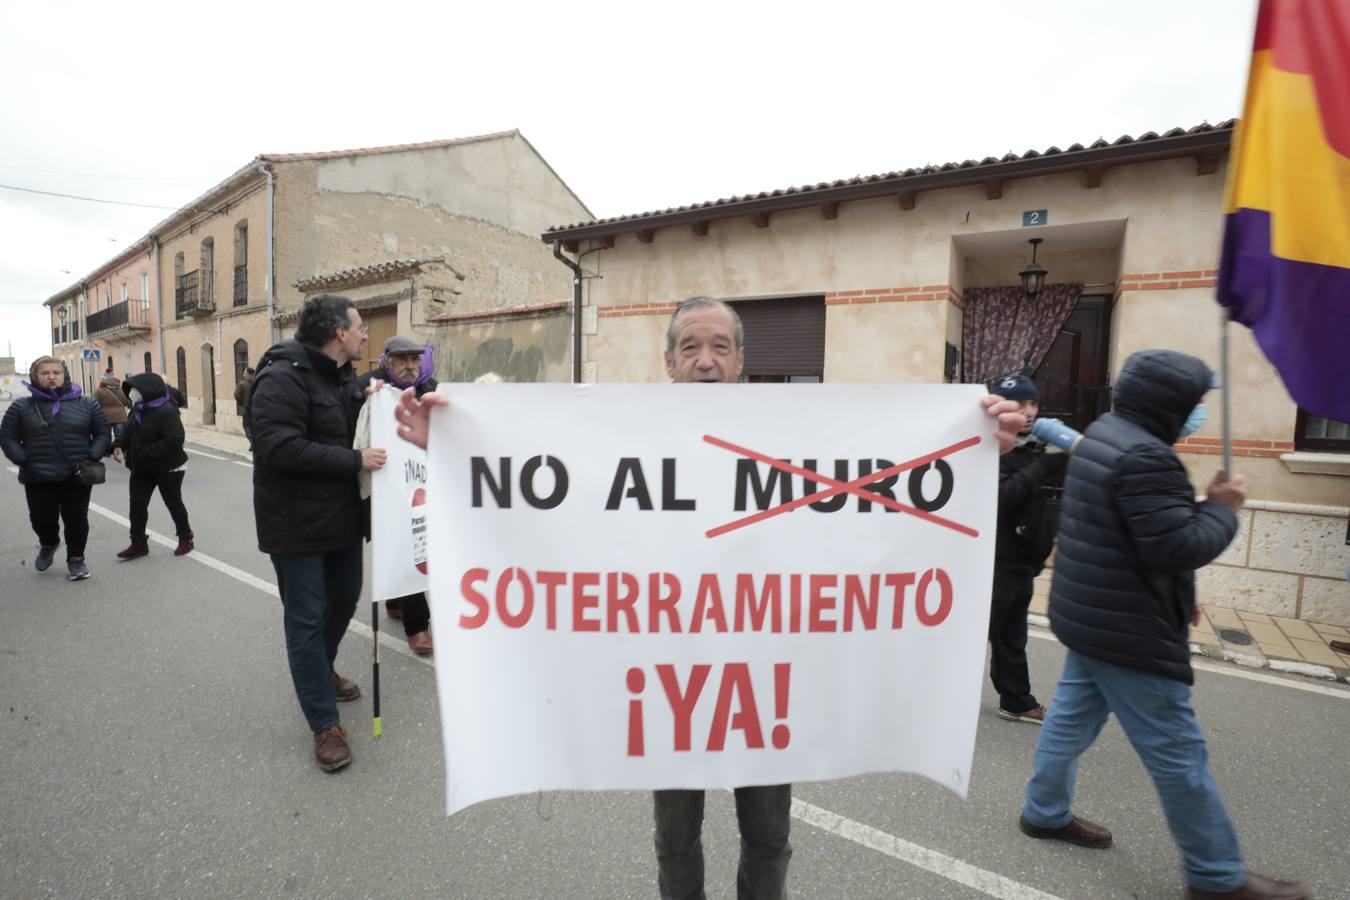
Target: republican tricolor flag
<point>1285,271</point>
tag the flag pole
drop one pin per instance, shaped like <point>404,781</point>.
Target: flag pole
<point>1226,389</point>
<point>375,725</point>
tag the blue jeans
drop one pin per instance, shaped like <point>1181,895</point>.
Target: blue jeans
<point>1159,720</point>
<point>318,595</point>
<point>763,816</point>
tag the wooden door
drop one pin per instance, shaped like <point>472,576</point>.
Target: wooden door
<point>1073,379</point>
<point>383,324</point>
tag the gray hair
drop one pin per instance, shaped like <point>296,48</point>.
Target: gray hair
<point>321,317</point>
<point>685,306</point>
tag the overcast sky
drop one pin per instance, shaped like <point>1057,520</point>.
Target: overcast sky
<point>637,106</point>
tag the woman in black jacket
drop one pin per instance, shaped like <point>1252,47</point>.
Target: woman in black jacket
<point>47,435</point>
<point>153,448</point>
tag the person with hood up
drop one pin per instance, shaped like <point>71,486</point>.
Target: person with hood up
<point>152,445</point>
<point>47,435</point>
<point>113,402</point>
<point>1131,536</point>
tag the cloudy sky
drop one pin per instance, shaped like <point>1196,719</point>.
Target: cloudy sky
<point>637,106</point>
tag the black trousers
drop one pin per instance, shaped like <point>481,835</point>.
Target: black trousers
<point>52,503</point>
<point>416,613</point>
<point>170,486</point>
<point>1008,640</point>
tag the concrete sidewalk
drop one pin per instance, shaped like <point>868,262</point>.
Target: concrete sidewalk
<point>1248,639</point>
<point>234,445</point>
<point>1245,638</point>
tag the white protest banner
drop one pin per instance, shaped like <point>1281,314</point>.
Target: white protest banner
<point>635,586</point>
<point>398,506</point>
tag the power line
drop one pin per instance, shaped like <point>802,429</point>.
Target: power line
<point>11,187</point>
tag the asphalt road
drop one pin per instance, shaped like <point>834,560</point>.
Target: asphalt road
<point>151,747</point>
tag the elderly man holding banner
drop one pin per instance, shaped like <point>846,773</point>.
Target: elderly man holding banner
<point>636,646</point>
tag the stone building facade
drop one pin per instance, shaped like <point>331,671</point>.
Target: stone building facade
<point>458,218</point>
<point>873,274</point>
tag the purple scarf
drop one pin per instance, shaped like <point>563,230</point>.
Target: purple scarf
<point>424,370</point>
<point>151,404</point>
<point>54,397</point>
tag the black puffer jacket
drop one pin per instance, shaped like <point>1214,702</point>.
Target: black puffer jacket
<point>155,444</point>
<point>305,495</point>
<point>1025,530</point>
<point>1131,533</point>
<point>29,436</point>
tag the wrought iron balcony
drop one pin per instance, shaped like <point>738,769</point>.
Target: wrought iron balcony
<point>193,295</point>
<point>241,285</point>
<point>128,319</point>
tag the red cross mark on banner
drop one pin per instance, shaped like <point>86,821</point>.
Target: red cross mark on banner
<point>855,487</point>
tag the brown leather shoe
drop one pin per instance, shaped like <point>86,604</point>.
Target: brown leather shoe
<point>420,643</point>
<point>331,750</point>
<point>347,691</point>
<point>1078,831</point>
<point>1258,887</point>
<point>1341,647</point>
<point>184,545</point>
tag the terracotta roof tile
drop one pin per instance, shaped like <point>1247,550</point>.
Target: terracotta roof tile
<point>377,272</point>
<point>1098,144</point>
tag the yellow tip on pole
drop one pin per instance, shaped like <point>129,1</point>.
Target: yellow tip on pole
<point>376,727</point>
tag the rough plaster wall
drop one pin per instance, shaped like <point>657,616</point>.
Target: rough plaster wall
<point>325,232</point>
<point>535,349</point>
<point>885,342</point>
<point>500,181</point>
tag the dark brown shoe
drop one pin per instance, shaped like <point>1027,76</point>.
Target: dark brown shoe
<point>1258,887</point>
<point>1341,647</point>
<point>347,691</point>
<point>331,750</point>
<point>139,547</point>
<point>1078,831</point>
<point>184,545</point>
<point>420,643</point>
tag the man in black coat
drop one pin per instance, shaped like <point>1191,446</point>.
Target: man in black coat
<point>307,505</point>
<point>152,443</point>
<point>1025,536</point>
<point>1131,536</point>
<point>405,364</point>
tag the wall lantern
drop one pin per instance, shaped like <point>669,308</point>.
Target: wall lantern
<point>62,312</point>
<point>1033,276</point>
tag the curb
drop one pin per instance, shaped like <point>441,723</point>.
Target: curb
<point>212,448</point>
<point>1249,660</point>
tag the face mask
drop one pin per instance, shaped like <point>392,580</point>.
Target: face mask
<point>1194,421</point>
<point>135,396</point>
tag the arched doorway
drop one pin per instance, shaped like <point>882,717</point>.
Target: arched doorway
<point>208,385</point>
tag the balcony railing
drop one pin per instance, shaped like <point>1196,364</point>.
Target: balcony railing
<point>128,318</point>
<point>241,285</point>
<point>189,299</point>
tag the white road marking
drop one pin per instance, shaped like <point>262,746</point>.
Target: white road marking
<point>950,868</point>
<point>240,462</point>
<point>260,584</point>
<point>207,455</point>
